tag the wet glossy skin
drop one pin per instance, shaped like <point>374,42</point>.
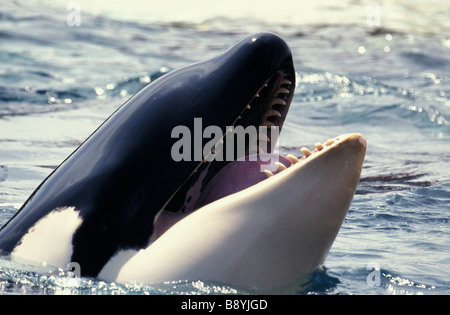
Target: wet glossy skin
<point>123,174</point>
<point>269,236</point>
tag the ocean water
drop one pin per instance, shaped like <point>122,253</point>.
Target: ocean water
<point>379,68</point>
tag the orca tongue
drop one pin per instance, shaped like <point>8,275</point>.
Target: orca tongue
<point>239,175</point>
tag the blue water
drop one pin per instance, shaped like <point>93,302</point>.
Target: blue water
<point>389,82</point>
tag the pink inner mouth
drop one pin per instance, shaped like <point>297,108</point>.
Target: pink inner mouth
<point>239,175</point>
<point>234,177</point>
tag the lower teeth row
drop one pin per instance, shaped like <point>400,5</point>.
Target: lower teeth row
<point>306,152</point>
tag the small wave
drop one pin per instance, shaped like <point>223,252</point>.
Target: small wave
<point>17,278</point>
<point>319,282</point>
<point>3,173</point>
<point>28,100</point>
<point>392,182</point>
<point>426,60</point>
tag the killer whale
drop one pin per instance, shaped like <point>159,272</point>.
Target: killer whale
<point>124,210</point>
<point>123,174</point>
<point>268,237</point>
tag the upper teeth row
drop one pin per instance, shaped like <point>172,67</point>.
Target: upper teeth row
<point>273,112</point>
<point>277,101</point>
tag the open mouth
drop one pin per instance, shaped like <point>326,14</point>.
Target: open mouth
<point>216,179</point>
<point>239,175</point>
<point>130,182</point>
<point>266,111</point>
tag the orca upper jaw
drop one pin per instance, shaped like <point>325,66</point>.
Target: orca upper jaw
<point>270,105</point>
<point>278,230</point>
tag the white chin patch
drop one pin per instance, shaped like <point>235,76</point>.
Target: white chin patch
<point>49,240</point>
<point>111,269</point>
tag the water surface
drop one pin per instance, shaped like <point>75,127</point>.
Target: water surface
<point>389,82</point>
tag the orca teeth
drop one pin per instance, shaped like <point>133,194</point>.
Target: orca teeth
<point>283,90</point>
<point>329,142</point>
<point>267,123</point>
<point>281,166</point>
<point>306,151</point>
<point>268,173</point>
<point>278,101</point>
<point>269,102</point>
<point>306,154</point>
<point>293,159</point>
<point>275,109</point>
<point>272,113</point>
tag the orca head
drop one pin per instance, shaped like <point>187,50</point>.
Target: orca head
<point>249,85</point>
<point>267,237</point>
<point>125,173</point>
<point>150,183</point>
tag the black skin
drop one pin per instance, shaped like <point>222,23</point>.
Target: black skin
<point>123,174</point>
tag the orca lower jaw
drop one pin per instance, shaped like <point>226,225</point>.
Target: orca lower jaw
<point>320,149</point>
<point>266,237</point>
<point>245,173</point>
